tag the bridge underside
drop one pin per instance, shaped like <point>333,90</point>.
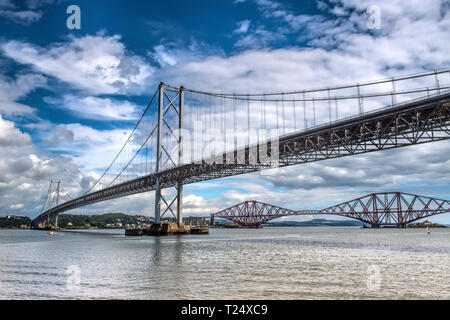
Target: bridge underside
<point>412,123</point>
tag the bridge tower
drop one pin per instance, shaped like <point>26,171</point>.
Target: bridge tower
<point>170,122</point>
<point>51,200</point>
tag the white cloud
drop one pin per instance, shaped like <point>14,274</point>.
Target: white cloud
<point>242,26</point>
<point>273,70</point>
<point>259,38</point>
<point>101,109</point>
<point>194,205</point>
<point>25,17</point>
<point>25,13</point>
<point>13,90</point>
<point>96,64</point>
<point>163,56</point>
<point>171,54</point>
<point>25,171</point>
<point>11,136</point>
<point>88,147</point>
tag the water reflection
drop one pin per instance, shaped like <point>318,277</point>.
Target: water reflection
<point>179,250</point>
<point>156,256</point>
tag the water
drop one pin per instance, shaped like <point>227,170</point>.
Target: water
<point>269,263</point>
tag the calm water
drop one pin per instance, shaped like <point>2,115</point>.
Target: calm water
<point>271,263</point>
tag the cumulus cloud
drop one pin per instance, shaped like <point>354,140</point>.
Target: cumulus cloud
<point>25,171</point>
<point>89,148</point>
<point>11,136</point>
<point>96,64</point>
<point>76,150</point>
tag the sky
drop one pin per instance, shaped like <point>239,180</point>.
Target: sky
<point>70,97</point>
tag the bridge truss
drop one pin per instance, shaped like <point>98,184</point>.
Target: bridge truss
<point>377,209</point>
<point>254,213</point>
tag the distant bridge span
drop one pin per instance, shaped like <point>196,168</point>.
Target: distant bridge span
<point>376,209</point>
<point>422,120</point>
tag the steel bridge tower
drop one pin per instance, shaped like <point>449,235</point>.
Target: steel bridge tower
<point>51,201</point>
<point>170,121</point>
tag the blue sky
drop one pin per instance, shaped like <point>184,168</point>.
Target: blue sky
<point>69,98</point>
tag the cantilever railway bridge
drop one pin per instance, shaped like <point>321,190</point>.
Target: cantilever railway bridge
<point>377,209</point>
<point>186,136</point>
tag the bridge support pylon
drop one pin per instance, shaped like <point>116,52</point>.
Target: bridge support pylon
<point>168,97</point>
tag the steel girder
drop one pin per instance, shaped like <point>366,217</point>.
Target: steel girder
<point>416,122</point>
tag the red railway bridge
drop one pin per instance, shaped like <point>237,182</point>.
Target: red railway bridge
<point>377,209</point>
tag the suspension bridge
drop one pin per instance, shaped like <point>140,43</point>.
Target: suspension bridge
<point>186,136</point>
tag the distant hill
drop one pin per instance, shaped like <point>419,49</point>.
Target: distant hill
<point>316,223</point>
<point>119,220</point>
<point>14,222</point>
